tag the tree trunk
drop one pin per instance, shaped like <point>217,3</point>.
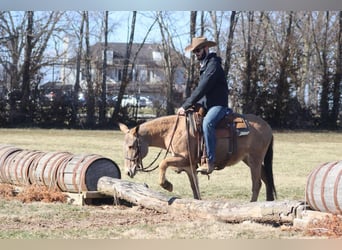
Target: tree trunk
<point>140,194</point>
<point>324,102</point>
<point>338,76</point>
<point>169,66</point>
<point>250,74</point>
<point>102,108</point>
<point>233,22</point>
<point>78,71</point>
<point>90,88</point>
<point>306,60</point>
<point>191,72</point>
<point>125,76</point>
<point>282,100</point>
<point>25,107</point>
<point>217,31</point>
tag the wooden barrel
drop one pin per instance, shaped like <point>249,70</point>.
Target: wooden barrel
<point>82,172</point>
<point>324,188</point>
<point>9,165</point>
<point>44,171</point>
<point>22,166</point>
<point>5,152</point>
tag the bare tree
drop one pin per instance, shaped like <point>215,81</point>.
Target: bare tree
<point>324,103</point>
<point>217,30</point>
<point>282,64</point>
<point>202,24</point>
<point>282,99</point>
<point>321,40</point>
<point>229,44</point>
<point>338,75</point>
<point>170,65</point>
<point>27,36</point>
<point>254,33</point>
<point>78,72</point>
<point>191,70</point>
<point>25,87</point>
<point>305,58</point>
<point>102,108</point>
<point>88,75</point>
<point>125,73</point>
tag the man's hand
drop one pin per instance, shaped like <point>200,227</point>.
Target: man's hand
<point>181,111</point>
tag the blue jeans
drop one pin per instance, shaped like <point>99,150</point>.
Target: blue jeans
<point>210,120</point>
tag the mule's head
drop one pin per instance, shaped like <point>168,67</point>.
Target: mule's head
<point>134,149</point>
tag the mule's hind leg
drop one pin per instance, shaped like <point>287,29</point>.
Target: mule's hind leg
<point>256,183</point>
<point>255,168</point>
<point>269,186</point>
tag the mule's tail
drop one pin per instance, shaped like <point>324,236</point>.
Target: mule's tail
<point>268,168</point>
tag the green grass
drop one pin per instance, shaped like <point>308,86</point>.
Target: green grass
<point>295,156</point>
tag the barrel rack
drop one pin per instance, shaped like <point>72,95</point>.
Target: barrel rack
<point>76,175</point>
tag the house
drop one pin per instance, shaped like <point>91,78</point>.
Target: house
<point>148,75</point>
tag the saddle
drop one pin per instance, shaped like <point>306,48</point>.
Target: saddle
<point>231,126</point>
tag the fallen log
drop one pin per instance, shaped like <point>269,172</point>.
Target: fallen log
<point>227,211</point>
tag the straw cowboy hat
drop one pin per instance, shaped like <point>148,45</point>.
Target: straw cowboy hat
<point>199,41</point>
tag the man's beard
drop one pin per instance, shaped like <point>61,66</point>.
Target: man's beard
<point>204,55</point>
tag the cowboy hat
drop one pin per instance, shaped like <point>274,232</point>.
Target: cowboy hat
<point>199,41</point>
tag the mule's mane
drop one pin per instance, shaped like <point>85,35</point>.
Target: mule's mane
<point>158,125</point>
<point>157,131</point>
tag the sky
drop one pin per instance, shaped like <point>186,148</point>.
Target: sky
<point>144,21</point>
<point>171,5</point>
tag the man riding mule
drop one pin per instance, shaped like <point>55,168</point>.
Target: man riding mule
<point>213,90</point>
<point>223,148</point>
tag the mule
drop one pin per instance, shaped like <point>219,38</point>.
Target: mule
<point>171,133</point>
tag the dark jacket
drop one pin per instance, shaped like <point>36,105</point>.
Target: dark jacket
<point>212,85</point>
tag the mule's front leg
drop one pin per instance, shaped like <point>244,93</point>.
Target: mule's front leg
<point>163,182</point>
<point>192,175</point>
<point>164,164</point>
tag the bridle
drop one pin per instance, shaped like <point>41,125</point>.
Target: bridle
<point>136,159</point>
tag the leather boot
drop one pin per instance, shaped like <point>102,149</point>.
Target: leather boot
<point>206,168</point>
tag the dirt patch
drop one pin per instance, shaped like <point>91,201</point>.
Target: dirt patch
<point>36,212</point>
<point>31,193</point>
<point>45,214</point>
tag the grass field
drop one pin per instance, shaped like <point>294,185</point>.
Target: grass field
<point>295,155</point>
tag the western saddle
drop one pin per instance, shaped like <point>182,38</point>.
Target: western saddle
<point>230,127</point>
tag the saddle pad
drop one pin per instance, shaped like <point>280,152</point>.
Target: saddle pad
<point>224,127</point>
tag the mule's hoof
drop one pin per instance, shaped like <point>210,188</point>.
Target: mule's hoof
<point>167,185</point>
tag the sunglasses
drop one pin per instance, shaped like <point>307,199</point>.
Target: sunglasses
<point>197,50</point>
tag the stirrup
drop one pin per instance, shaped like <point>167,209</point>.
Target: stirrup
<point>205,170</point>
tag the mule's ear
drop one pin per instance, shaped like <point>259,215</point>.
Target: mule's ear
<point>135,130</point>
<point>123,127</point>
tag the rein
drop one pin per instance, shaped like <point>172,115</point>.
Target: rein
<point>149,168</point>
<point>192,165</point>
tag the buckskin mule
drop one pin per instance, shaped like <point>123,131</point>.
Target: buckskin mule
<point>170,133</point>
